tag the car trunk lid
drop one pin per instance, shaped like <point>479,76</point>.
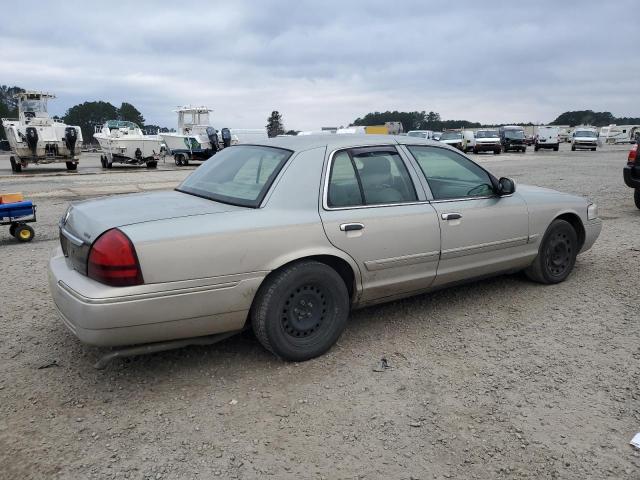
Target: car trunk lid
<point>85,221</point>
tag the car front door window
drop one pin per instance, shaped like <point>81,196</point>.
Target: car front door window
<point>450,175</point>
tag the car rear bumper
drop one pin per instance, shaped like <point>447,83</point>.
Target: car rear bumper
<point>149,313</point>
<point>631,176</point>
<point>592,231</point>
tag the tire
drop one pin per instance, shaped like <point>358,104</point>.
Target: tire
<point>178,159</point>
<point>536,148</point>
<point>72,166</point>
<point>152,164</point>
<point>103,161</point>
<point>636,197</point>
<point>557,254</point>
<point>556,148</point>
<point>475,151</point>
<point>497,152</point>
<point>12,229</point>
<point>309,289</point>
<point>524,149</point>
<point>573,148</point>
<point>24,233</point>
<point>109,164</point>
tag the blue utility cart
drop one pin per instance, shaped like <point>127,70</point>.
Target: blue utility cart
<point>17,215</point>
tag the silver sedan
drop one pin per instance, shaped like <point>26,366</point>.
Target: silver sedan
<point>288,236</point>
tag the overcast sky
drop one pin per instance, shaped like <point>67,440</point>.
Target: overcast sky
<point>325,63</point>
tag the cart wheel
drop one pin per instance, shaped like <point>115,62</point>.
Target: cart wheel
<point>24,233</point>
<point>12,229</point>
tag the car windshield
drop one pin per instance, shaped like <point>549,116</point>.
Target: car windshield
<point>239,175</point>
<point>487,134</point>
<point>514,134</point>
<point>585,133</point>
<point>451,136</point>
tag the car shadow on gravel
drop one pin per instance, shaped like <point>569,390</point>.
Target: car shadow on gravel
<point>243,351</point>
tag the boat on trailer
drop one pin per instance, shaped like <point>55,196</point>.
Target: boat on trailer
<point>195,138</point>
<point>124,142</point>
<point>36,138</point>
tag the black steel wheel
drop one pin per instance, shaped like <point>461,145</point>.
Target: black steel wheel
<point>301,310</point>
<point>557,254</point>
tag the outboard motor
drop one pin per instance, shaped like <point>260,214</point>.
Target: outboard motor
<point>226,137</point>
<point>32,140</point>
<point>213,138</point>
<point>70,138</point>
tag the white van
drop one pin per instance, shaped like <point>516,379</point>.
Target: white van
<point>463,140</point>
<point>547,137</point>
<point>584,138</point>
<point>428,134</point>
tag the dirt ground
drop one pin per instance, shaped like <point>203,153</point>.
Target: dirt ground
<point>502,378</point>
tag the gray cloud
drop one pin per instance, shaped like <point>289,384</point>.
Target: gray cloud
<point>326,63</point>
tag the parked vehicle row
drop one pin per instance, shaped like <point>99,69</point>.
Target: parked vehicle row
<point>288,236</point>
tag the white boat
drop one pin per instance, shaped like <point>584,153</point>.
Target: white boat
<point>125,142</point>
<point>195,138</point>
<point>35,137</point>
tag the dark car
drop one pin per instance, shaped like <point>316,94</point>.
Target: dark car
<point>631,174</point>
<point>512,138</point>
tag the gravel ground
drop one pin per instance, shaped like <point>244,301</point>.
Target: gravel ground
<point>496,379</point>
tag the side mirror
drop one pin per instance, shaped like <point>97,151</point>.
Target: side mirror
<point>506,186</point>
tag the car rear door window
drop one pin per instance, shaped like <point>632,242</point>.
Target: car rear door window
<point>450,175</point>
<point>369,176</point>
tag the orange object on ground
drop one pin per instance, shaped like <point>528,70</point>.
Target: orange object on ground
<point>10,198</point>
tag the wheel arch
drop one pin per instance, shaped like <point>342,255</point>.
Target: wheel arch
<point>576,222</point>
<point>345,267</point>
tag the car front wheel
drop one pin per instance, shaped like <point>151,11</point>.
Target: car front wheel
<point>300,311</point>
<point>557,254</point>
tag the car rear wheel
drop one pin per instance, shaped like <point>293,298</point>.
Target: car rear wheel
<point>636,197</point>
<point>300,311</point>
<point>557,254</point>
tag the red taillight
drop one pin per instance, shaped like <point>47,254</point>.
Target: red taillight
<point>633,154</point>
<point>113,260</point>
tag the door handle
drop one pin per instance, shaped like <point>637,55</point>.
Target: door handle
<point>451,216</point>
<point>351,227</point>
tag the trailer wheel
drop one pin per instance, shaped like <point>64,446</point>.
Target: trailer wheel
<point>72,166</point>
<point>178,159</point>
<point>12,229</point>
<point>24,233</point>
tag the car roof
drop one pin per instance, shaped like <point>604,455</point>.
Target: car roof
<point>306,142</point>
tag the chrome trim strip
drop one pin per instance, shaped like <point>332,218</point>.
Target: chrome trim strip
<point>374,265</point>
<point>77,241</point>
<point>145,296</point>
<point>483,247</point>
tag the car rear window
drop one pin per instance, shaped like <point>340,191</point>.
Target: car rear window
<point>239,175</point>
